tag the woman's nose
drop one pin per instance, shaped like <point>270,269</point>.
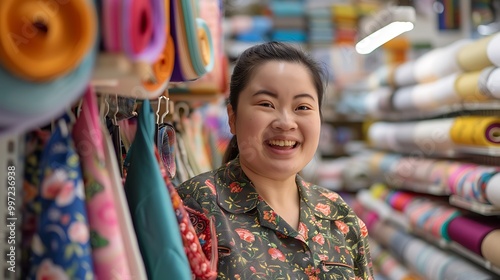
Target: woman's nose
<point>284,121</point>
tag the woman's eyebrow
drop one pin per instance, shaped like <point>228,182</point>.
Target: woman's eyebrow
<point>274,95</point>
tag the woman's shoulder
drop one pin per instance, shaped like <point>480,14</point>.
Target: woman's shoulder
<point>198,186</point>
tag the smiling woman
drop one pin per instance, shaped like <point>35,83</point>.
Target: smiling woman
<point>270,223</point>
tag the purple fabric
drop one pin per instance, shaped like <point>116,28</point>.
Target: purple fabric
<point>177,72</point>
<point>470,232</point>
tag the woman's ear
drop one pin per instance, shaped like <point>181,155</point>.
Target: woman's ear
<point>232,119</point>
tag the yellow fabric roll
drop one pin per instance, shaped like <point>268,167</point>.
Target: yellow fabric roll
<point>467,87</point>
<point>476,131</point>
<point>473,57</point>
<point>43,40</point>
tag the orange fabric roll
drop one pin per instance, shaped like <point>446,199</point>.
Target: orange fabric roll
<point>43,40</point>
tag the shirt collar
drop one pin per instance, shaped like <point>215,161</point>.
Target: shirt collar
<point>236,194</point>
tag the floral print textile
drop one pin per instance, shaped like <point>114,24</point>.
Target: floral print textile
<point>256,243</point>
<point>61,244</point>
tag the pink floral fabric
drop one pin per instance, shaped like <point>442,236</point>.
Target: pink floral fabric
<point>256,243</point>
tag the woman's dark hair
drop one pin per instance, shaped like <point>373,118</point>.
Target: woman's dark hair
<point>254,57</point>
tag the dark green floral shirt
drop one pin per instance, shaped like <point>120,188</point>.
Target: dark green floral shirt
<point>255,243</point>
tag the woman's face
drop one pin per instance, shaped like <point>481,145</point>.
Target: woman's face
<point>278,120</point>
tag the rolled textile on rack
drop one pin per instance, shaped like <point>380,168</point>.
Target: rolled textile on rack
<point>492,190</point>
<point>214,81</point>
<point>470,232</point>
<point>439,62</point>
<point>431,66</point>
<point>476,131</point>
<point>194,53</point>
<point>388,265</point>
<point>143,33</point>
<point>489,247</point>
<point>137,22</point>
<point>403,74</point>
<point>489,82</point>
<point>142,74</point>
<point>41,41</point>
<point>111,14</point>
<point>429,136</point>
<point>25,105</point>
<point>480,53</point>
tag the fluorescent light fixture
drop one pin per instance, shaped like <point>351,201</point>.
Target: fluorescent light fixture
<point>384,26</point>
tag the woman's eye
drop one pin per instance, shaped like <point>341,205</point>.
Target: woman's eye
<point>269,105</point>
<point>303,108</point>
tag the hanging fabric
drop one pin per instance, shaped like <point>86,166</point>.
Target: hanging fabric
<point>35,143</point>
<point>151,207</point>
<point>107,242</point>
<point>133,253</point>
<point>61,245</point>
<point>203,259</point>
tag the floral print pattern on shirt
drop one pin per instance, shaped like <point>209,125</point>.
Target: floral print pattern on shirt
<point>256,243</point>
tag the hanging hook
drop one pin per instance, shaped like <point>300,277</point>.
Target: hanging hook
<point>160,98</point>
<point>115,121</point>
<point>166,111</point>
<point>184,107</point>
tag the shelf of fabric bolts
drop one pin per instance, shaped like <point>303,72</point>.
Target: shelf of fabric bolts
<point>419,187</point>
<point>476,207</point>
<point>458,109</point>
<point>452,246</point>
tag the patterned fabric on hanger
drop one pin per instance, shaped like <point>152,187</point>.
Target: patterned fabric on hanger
<point>108,249</point>
<point>61,245</point>
<point>201,244</point>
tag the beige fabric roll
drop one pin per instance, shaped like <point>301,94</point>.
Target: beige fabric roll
<point>474,56</point>
<point>490,247</point>
<point>467,87</point>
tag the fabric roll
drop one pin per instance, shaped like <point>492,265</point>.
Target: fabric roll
<point>460,269</point>
<point>489,247</point>
<point>151,207</point>
<point>470,233</point>
<point>111,11</point>
<point>476,131</point>
<point>162,68</point>
<point>432,136</point>
<point>44,40</point>
<point>489,83</point>
<point>108,248</point>
<point>143,23</point>
<point>474,56</point>
<point>194,54</point>
<point>492,50</point>
<point>427,70</point>
<point>138,22</point>
<point>468,88</point>
<point>36,104</point>
<point>430,96</point>
<point>493,191</point>
<point>403,74</point>
<point>398,244</point>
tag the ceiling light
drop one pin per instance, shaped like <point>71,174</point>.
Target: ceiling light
<point>384,26</point>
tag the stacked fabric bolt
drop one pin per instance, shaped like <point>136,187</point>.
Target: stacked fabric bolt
<point>43,75</point>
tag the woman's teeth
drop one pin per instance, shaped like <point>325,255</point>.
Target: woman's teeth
<point>282,143</point>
